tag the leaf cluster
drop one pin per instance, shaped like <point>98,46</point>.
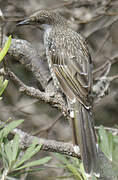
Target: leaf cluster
<point>3,52</point>
<point>13,158</point>
<point>73,167</point>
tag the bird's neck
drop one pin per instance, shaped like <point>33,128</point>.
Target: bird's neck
<point>45,27</point>
<point>50,31</point>
<point>47,32</point>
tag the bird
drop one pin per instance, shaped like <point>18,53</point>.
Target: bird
<point>71,65</point>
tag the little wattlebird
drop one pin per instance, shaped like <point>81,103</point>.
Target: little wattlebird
<point>71,68</point>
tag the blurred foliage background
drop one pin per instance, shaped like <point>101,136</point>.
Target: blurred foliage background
<point>97,20</point>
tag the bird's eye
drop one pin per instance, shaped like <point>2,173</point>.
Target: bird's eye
<point>40,20</point>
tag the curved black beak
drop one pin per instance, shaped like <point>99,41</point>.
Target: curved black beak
<point>24,22</point>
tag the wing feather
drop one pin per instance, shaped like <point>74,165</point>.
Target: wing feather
<point>72,65</point>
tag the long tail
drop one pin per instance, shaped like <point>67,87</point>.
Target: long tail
<point>84,137</point>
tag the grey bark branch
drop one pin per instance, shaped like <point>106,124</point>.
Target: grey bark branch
<point>47,145</point>
<point>55,100</point>
<point>26,139</point>
<point>23,52</point>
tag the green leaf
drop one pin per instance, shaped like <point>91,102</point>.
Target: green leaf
<point>62,158</point>
<point>4,157</point>
<point>31,151</point>
<point>83,171</point>
<point>11,150</point>
<point>28,171</point>
<point>74,171</point>
<point>8,151</point>
<point>15,147</point>
<point>106,144</point>
<point>110,138</point>
<point>4,85</point>
<point>94,178</point>
<point>115,139</point>
<point>5,49</point>
<point>115,154</point>
<point>9,127</point>
<point>1,80</point>
<point>35,163</point>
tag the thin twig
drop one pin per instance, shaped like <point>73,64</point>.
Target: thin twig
<point>55,99</point>
<point>47,129</point>
<point>102,67</point>
<point>112,78</point>
<point>103,43</point>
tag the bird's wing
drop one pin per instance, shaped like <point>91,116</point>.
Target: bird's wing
<point>72,66</point>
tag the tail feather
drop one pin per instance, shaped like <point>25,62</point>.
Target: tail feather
<point>85,138</point>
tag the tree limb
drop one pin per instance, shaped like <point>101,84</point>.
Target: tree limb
<point>24,52</point>
<point>26,140</point>
<point>47,145</point>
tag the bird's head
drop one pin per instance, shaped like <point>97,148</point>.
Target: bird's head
<point>43,18</point>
